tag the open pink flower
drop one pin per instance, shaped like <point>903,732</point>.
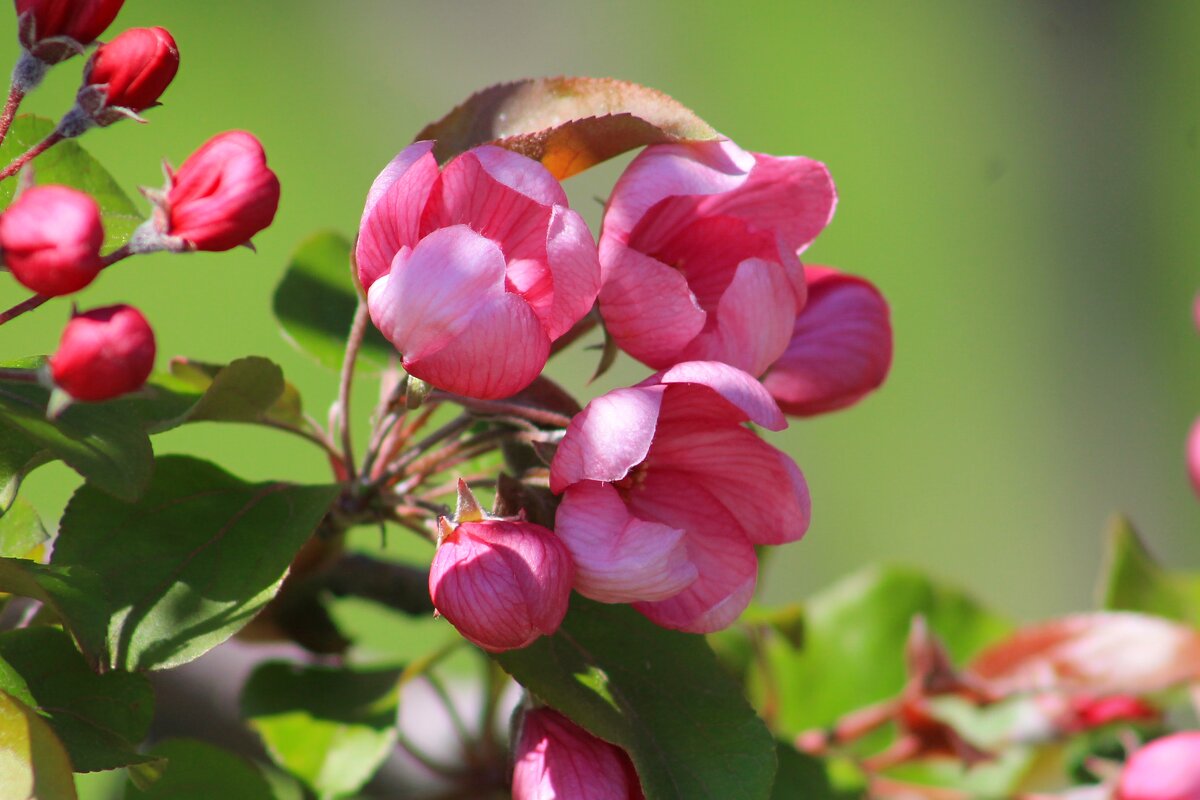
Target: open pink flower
<point>666,493</point>
<point>841,347</point>
<point>1166,769</point>
<point>699,251</point>
<point>472,272</point>
<point>555,759</point>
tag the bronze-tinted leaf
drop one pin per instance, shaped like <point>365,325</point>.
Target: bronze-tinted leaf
<point>569,124</point>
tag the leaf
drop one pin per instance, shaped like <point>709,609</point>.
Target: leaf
<point>800,776</point>
<point>68,164</point>
<point>33,763</point>
<point>854,636</point>
<point>659,694</point>
<point>18,457</point>
<point>21,531</point>
<point>315,303</point>
<point>109,449</point>
<point>99,718</point>
<point>70,592</point>
<point>331,727</point>
<point>569,124</point>
<point>1133,581</point>
<point>189,564</point>
<point>200,771</point>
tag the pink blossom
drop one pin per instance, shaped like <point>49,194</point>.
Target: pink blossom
<point>666,493</point>
<point>555,759</point>
<point>50,238</point>
<point>473,271</point>
<point>699,251</point>
<point>841,347</point>
<point>1166,769</point>
<point>104,353</point>
<point>1193,455</point>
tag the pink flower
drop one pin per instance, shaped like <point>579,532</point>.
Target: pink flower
<point>501,583</point>
<point>699,250</point>
<point>1166,769</point>
<point>131,72</point>
<point>666,493</point>
<point>472,272</point>
<point>841,347</point>
<point>104,353</point>
<point>50,239</point>
<point>1193,455</point>
<point>46,24</point>
<point>555,759</point>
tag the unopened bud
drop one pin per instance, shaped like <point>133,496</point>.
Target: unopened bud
<point>54,30</point>
<point>124,77</point>
<point>555,758</point>
<point>104,353</point>
<point>50,239</point>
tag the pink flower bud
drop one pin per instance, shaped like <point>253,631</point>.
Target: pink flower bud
<point>1166,769</point>
<point>50,239</point>
<point>556,759</point>
<point>104,353</point>
<point>501,583</point>
<point>55,30</point>
<point>131,72</point>
<point>221,196</point>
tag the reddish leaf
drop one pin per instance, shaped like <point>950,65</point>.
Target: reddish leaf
<point>1101,653</point>
<point>569,124</point>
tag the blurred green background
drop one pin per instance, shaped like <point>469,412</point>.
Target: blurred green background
<point>1021,179</point>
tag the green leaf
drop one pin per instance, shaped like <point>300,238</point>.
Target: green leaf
<point>331,727</point>
<point>191,563</point>
<point>800,776</point>
<point>21,531</point>
<point>33,763</point>
<point>18,457</point>
<point>68,164</point>
<point>200,771</point>
<point>854,639</point>
<point>70,592</point>
<point>109,449</point>
<point>659,694</point>
<point>315,303</point>
<point>99,718</point>
<point>1133,581</point>
<point>568,124</point>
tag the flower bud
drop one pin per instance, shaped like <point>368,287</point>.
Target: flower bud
<point>555,758</point>
<point>501,583</point>
<point>50,238</point>
<point>54,30</point>
<point>128,75</point>
<point>1166,769</point>
<point>104,353</point>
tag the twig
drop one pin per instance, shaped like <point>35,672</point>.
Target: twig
<point>502,408</point>
<point>15,96</point>
<point>358,329</point>
<point>30,154</point>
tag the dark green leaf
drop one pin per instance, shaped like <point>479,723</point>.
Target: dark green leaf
<point>18,457</point>
<point>68,164</point>
<point>331,727</point>
<point>99,718</point>
<point>316,299</point>
<point>21,531</point>
<point>34,763</point>
<point>200,771</point>
<point>659,694</point>
<point>1133,581</point>
<point>70,592</point>
<point>189,564</point>
<point>800,776</point>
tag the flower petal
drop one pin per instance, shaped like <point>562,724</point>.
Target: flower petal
<point>393,210</point>
<point>608,438</point>
<point>618,557</point>
<point>571,252</point>
<point>745,398</point>
<point>522,174</point>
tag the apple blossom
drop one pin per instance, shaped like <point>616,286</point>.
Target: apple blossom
<point>555,759</point>
<point>50,239</point>
<point>472,272</point>
<point>104,353</point>
<point>666,493</point>
<point>841,346</point>
<point>54,30</point>
<point>128,75</point>
<point>1165,769</point>
<point>699,250</point>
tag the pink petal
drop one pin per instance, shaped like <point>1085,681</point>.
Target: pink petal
<point>393,210</point>
<point>608,438</point>
<point>571,252</point>
<point>725,559</point>
<point>840,349</point>
<point>618,557</point>
<point>433,291</point>
<point>648,308</point>
<point>1193,456</point>
<point>521,174</point>
<point>745,398</point>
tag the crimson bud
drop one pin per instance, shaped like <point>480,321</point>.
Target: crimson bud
<point>128,74</point>
<point>54,30</point>
<point>104,353</point>
<point>50,238</point>
<point>555,758</point>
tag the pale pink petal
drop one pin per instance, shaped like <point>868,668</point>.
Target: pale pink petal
<point>840,349</point>
<point>392,214</point>
<point>522,174</point>
<point>571,252</point>
<point>618,557</point>
<point>500,352</point>
<point>745,398</point>
<point>434,290</point>
<point>727,564</point>
<point>792,195</point>
<point>758,485</point>
<point>1193,456</point>
<point>608,438</point>
<point>754,319</point>
<point>648,308</point>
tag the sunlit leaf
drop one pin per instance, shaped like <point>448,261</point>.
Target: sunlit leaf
<point>21,531</point>
<point>18,457</point>
<point>200,771</point>
<point>33,763</point>
<point>1133,581</point>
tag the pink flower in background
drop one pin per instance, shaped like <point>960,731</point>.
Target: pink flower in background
<point>555,759</point>
<point>472,272</point>
<point>699,250</point>
<point>841,347</point>
<point>50,239</point>
<point>1165,769</point>
<point>666,493</point>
